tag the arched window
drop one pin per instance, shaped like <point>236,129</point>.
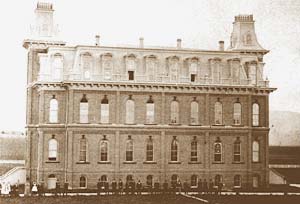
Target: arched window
<point>216,70</point>
<point>194,113</point>
<point>82,182</point>
<point>104,149</point>
<point>194,152</point>
<point>255,114</point>
<point>149,149</point>
<point>174,111</point>
<point>103,178</point>
<point>104,110</point>
<point>248,39</point>
<point>237,113</point>
<point>150,111</point>
<point>52,149</point>
<point>86,62</point>
<point>218,150</point>
<point>57,66</point>
<point>174,149</point>
<point>130,111</point>
<point>237,150</point>
<point>218,113</point>
<point>151,66</point>
<point>237,181</point>
<point>129,149</point>
<point>107,65</point>
<point>174,179</point>
<point>218,179</point>
<point>149,180</point>
<point>83,149</point>
<point>51,182</point>
<point>129,178</point>
<point>84,110</point>
<point>255,181</point>
<point>194,180</point>
<point>174,67</point>
<point>53,113</point>
<point>255,151</point>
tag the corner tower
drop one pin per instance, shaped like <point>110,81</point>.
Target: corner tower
<point>243,37</point>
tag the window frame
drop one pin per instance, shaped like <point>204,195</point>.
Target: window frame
<point>104,111</point>
<point>129,150</point>
<point>149,150</point>
<point>84,110</point>
<point>52,150</point>
<point>104,150</point>
<point>194,113</point>
<point>255,152</point>
<point>81,182</point>
<point>194,150</point>
<point>194,181</point>
<point>216,153</point>
<point>174,150</point>
<point>150,111</point>
<point>237,178</point>
<point>53,110</point>
<point>237,113</point>
<point>218,114</point>
<point>83,150</point>
<point>237,151</point>
<point>130,111</point>
<point>255,114</point>
<point>174,106</point>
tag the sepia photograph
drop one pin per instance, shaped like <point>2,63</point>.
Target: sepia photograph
<point>150,102</point>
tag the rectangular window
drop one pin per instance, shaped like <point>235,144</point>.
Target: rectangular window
<point>84,113</point>
<point>237,152</point>
<point>83,148</point>
<point>194,151</point>
<point>193,77</point>
<point>104,113</point>
<point>130,75</point>
<point>149,151</point>
<point>218,152</point>
<point>150,113</point>
<point>129,155</point>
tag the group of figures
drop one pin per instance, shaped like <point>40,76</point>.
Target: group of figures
<point>132,187</point>
<point>119,188</point>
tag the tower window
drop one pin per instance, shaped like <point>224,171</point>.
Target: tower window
<point>131,75</point>
<point>193,77</point>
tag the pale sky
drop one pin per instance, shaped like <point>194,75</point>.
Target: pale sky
<point>199,23</point>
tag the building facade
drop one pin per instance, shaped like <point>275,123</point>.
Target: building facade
<point>146,113</point>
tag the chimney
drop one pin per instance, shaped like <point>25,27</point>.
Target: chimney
<point>221,45</point>
<point>141,42</point>
<point>178,43</point>
<point>97,37</point>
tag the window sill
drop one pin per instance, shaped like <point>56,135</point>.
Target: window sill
<point>105,123</point>
<point>49,161</point>
<point>218,162</point>
<point>256,162</point>
<point>150,124</point>
<point>104,162</point>
<point>82,162</point>
<point>218,125</point>
<point>194,124</point>
<point>174,124</point>
<point>194,162</point>
<point>129,162</point>
<point>130,123</point>
<point>238,162</point>
<point>174,162</point>
<point>150,162</point>
<point>236,125</point>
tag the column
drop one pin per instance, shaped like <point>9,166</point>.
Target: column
<point>207,110</point>
<point>42,107</point>
<point>40,164</point>
<point>117,156</point>
<point>163,107</point>
<point>118,107</point>
<point>163,156</point>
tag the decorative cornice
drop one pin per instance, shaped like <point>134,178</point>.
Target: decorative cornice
<point>150,87</point>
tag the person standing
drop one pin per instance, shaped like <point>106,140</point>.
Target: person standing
<point>179,186</point>
<point>200,187</point>
<point>120,187</point>
<point>27,188</point>
<point>165,187</point>
<point>34,189</point>
<point>205,186</point>
<point>139,187</point>
<point>211,186</point>
<point>114,186</point>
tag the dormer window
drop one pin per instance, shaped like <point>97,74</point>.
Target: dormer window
<point>86,64</point>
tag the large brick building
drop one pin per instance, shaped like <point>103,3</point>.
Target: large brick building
<point>146,113</point>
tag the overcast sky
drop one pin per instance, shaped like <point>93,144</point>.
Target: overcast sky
<point>200,24</point>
